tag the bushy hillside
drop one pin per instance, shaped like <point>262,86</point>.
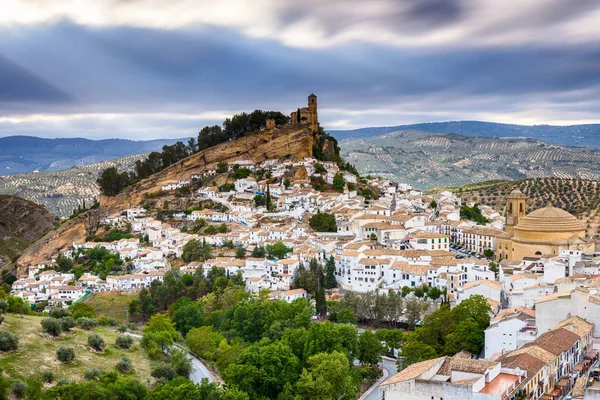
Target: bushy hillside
<point>574,135</point>
<point>21,223</point>
<point>579,197</point>
<point>62,191</point>
<point>441,160</point>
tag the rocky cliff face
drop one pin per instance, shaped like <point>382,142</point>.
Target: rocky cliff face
<point>21,223</point>
<point>294,141</point>
<point>287,141</point>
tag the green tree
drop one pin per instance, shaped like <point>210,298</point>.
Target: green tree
<point>339,182</point>
<point>327,376</point>
<point>323,222</point>
<point>346,315</point>
<point>476,307</point>
<point>180,362</point>
<point>264,370</point>
<point>414,309</point>
<point>277,250</point>
<point>286,183</point>
<point>222,167</point>
<point>259,252</point>
<point>80,309</point>
<point>52,326</point>
<point>204,341</point>
<point>433,204</point>
<point>414,352</point>
<point>330,281</point>
<point>240,252</point>
<point>369,349</point>
<point>393,339</point>
<point>467,336</point>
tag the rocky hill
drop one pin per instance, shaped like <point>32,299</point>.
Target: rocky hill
<point>579,197</point>
<point>21,223</point>
<point>290,141</point>
<point>440,160</point>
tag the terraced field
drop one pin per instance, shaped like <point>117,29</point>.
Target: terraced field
<point>578,196</point>
<point>440,160</point>
<point>62,191</point>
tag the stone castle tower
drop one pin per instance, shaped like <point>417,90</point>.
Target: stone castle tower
<point>515,209</point>
<point>308,114</point>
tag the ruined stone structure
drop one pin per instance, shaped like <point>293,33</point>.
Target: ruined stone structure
<point>307,115</point>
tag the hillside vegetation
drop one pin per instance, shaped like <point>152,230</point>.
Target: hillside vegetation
<point>37,351</point>
<point>21,223</point>
<point>441,160</point>
<point>574,135</point>
<point>578,196</point>
<point>63,191</point>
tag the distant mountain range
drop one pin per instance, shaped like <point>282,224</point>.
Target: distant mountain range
<point>573,135</point>
<point>429,160</point>
<point>22,154</point>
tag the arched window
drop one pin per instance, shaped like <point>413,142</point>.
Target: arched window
<point>538,253</point>
<point>521,207</point>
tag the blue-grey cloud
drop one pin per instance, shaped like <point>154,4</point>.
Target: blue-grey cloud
<point>163,82</point>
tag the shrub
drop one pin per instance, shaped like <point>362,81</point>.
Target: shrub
<point>124,341</point>
<point>67,323</point>
<point>163,372</point>
<point>124,366</point>
<point>8,341</point>
<point>82,310</point>
<point>87,323</point>
<point>92,374</point>
<point>62,382</point>
<point>52,326</point>
<point>58,312</point>
<point>105,321</point>
<point>65,354</point>
<point>122,328</point>
<point>3,306</point>
<point>1,318</point>
<point>96,342</point>
<point>48,376</point>
<point>19,389</point>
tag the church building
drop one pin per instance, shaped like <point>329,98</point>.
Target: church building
<point>542,232</point>
<point>307,114</point>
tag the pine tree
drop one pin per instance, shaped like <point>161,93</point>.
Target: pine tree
<point>330,281</point>
<point>320,302</point>
<point>268,200</point>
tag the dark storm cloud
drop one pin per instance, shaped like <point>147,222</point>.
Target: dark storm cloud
<point>17,84</point>
<point>67,68</point>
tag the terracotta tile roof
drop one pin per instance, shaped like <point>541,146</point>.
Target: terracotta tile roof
<point>484,282</point>
<point>465,365</point>
<point>557,341</point>
<point>577,325</point>
<point>413,371</point>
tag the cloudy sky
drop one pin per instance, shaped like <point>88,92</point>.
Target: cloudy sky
<point>164,68</point>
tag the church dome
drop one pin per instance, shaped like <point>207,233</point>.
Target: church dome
<point>550,219</point>
<point>516,194</point>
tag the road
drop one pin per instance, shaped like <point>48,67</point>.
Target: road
<point>199,370</point>
<point>389,364</point>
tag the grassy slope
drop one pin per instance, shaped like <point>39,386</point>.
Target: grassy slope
<point>37,351</point>
<point>110,304</point>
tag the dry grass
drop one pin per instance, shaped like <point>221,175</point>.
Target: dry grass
<point>110,304</point>
<point>37,352</point>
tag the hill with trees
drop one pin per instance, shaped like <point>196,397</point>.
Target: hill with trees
<point>578,196</point>
<point>573,135</point>
<point>428,160</point>
<point>21,223</point>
